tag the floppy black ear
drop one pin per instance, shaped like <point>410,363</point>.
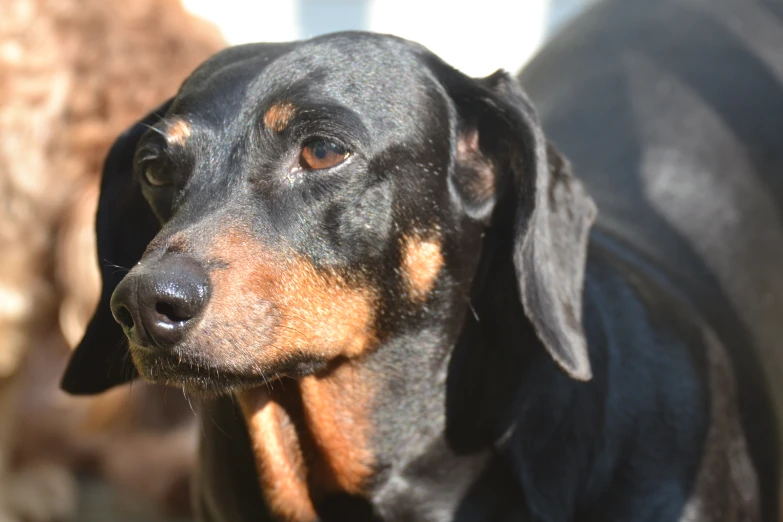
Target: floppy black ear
<point>502,150</point>
<point>124,226</point>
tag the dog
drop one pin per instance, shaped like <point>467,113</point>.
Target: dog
<point>64,71</point>
<point>388,287</point>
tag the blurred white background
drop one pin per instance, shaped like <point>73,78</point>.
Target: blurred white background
<point>477,37</point>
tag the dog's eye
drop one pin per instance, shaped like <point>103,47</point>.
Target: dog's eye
<point>157,175</point>
<point>322,154</point>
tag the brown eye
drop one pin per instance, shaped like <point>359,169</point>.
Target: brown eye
<point>322,154</point>
<point>157,175</point>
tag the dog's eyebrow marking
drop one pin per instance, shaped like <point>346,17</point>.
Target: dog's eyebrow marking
<point>279,115</point>
<point>422,260</point>
<point>178,132</point>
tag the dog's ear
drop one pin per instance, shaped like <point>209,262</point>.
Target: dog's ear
<point>507,174</point>
<point>124,225</point>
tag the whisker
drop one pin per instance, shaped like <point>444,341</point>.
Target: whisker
<point>187,397</point>
<point>155,129</point>
<point>473,310</point>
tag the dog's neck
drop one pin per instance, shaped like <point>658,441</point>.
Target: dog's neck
<point>382,430</point>
<point>351,430</point>
<point>311,438</point>
<point>435,392</point>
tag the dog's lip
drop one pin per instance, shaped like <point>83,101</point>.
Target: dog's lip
<point>178,366</point>
<point>140,344</point>
<point>203,380</point>
<point>167,366</point>
<point>169,357</point>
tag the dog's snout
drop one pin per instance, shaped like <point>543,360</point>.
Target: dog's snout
<point>157,305</point>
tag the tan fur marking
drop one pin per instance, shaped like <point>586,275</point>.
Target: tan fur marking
<point>336,431</point>
<point>422,260</point>
<point>269,305</point>
<point>278,457</point>
<point>316,310</point>
<point>266,307</point>
<point>279,115</point>
<point>336,410</point>
<point>178,132</point>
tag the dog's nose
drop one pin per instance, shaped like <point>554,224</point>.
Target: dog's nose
<point>160,303</point>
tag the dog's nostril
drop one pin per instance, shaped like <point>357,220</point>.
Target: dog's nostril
<point>124,317</point>
<point>171,313</point>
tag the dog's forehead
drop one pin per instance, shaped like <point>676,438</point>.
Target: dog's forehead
<point>380,77</point>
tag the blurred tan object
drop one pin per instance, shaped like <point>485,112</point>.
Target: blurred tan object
<point>65,68</point>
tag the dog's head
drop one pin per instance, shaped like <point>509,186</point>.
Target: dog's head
<point>299,204</point>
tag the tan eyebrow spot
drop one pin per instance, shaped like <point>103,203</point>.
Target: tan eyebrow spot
<point>279,115</point>
<point>177,132</point>
<point>422,259</point>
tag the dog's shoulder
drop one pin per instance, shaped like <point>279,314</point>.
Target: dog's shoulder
<point>658,421</point>
<point>663,354</point>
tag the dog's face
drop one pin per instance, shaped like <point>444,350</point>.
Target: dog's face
<point>306,210</point>
<point>315,199</point>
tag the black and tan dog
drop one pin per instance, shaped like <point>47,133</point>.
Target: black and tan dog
<point>388,267</point>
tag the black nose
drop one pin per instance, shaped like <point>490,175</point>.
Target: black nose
<point>157,304</point>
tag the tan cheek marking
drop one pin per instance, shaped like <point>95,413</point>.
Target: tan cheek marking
<point>311,309</point>
<point>279,115</point>
<point>337,412</point>
<point>178,132</point>
<point>422,260</point>
<point>278,457</point>
<point>319,310</point>
<point>276,307</point>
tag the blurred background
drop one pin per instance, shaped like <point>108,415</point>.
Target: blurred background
<point>73,75</point>
<point>476,37</point>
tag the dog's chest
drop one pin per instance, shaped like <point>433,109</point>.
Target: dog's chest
<point>311,441</point>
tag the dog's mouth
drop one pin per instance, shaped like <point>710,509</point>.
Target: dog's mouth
<point>198,374</point>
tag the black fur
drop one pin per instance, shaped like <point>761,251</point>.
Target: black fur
<point>668,111</point>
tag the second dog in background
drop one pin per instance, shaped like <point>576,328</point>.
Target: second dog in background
<point>66,70</point>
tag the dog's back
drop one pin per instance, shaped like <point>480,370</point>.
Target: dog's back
<point>672,114</point>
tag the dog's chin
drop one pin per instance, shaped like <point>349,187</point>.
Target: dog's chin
<point>197,375</point>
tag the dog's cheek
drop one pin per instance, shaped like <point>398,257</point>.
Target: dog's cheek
<point>289,307</point>
<point>365,225</point>
<point>239,323</point>
<point>324,313</point>
<point>421,261</point>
